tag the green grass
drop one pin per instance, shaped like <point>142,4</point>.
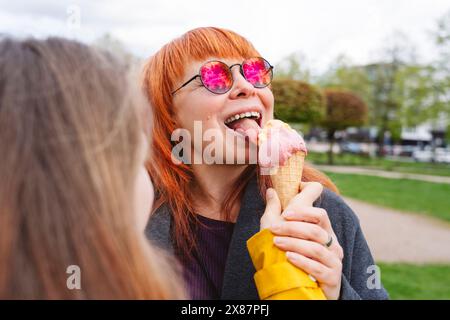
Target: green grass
<point>346,159</point>
<point>407,281</point>
<point>428,198</point>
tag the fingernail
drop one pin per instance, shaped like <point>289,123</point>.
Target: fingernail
<point>312,278</point>
<point>287,214</point>
<point>290,255</point>
<point>278,240</point>
<point>269,193</point>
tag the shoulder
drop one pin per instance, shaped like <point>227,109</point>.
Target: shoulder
<point>159,226</point>
<point>161,215</point>
<point>342,217</point>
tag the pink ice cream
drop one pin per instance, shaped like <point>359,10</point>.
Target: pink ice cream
<point>277,142</point>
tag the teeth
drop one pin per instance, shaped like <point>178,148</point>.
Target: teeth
<point>243,115</point>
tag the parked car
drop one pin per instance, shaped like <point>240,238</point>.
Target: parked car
<point>422,155</point>
<point>442,155</point>
<point>351,147</point>
<point>407,151</point>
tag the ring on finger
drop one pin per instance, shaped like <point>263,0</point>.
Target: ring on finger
<point>329,242</point>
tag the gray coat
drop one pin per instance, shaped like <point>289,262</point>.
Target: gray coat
<point>357,273</point>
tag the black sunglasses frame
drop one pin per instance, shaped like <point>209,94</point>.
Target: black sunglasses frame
<point>241,71</point>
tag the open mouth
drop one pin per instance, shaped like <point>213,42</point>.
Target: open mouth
<point>234,122</point>
<point>247,124</point>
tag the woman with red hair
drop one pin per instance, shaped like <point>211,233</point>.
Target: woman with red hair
<point>214,80</point>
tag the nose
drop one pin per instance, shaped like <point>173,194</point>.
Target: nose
<point>241,87</point>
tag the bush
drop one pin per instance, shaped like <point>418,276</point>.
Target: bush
<point>344,109</point>
<point>297,101</point>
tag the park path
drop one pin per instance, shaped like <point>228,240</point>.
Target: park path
<point>382,173</point>
<point>396,236</point>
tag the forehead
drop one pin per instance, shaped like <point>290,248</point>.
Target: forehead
<point>194,66</point>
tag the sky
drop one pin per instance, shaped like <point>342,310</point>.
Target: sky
<point>319,29</point>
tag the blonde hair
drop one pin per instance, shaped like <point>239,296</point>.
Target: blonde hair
<point>69,134</point>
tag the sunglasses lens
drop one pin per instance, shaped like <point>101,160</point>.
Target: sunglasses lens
<point>258,72</point>
<point>216,77</point>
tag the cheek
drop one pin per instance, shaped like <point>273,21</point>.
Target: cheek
<point>268,100</point>
<point>203,108</point>
<point>144,196</point>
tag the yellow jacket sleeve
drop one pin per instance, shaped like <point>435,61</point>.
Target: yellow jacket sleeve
<point>276,278</point>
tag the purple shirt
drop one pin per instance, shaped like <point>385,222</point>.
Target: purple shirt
<point>203,272</point>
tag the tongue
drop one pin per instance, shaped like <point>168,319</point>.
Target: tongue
<point>247,127</point>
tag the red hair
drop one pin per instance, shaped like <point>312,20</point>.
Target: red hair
<point>161,73</point>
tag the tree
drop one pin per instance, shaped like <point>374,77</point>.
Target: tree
<point>415,90</point>
<point>386,103</point>
<point>442,39</point>
<point>343,109</point>
<point>442,69</point>
<point>399,91</point>
<point>344,74</point>
<point>395,88</point>
<point>298,101</point>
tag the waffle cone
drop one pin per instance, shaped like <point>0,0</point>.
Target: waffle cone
<point>286,181</point>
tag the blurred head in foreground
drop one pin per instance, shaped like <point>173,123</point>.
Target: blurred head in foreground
<point>74,192</point>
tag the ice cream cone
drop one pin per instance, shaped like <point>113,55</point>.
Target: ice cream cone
<point>281,154</point>
<point>286,181</point>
